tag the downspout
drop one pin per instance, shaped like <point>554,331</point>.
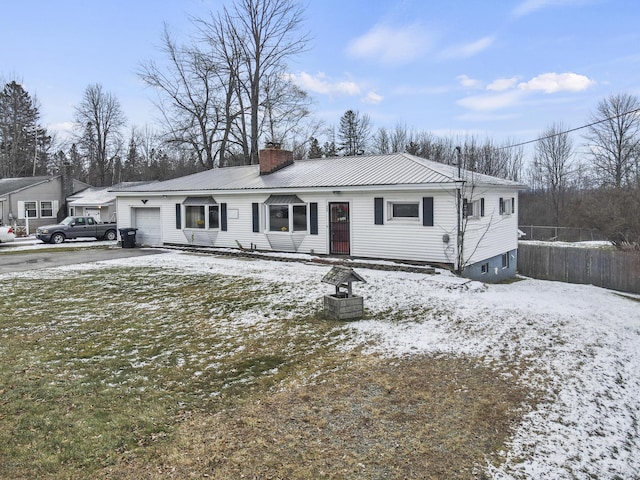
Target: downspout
<point>459,244</point>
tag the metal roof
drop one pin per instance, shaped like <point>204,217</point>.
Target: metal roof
<point>11,185</point>
<point>207,200</point>
<point>282,199</point>
<point>396,169</point>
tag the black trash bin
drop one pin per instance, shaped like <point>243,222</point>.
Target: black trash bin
<point>128,236</point>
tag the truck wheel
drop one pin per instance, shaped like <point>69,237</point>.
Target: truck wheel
<point>110,235</point>
<point>57,238</point>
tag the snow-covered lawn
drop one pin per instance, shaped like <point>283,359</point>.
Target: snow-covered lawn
<point>581,344</point>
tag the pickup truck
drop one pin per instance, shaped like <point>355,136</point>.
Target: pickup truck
<point>76,227</point>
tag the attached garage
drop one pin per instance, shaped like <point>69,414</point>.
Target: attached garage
<point>147,221</point>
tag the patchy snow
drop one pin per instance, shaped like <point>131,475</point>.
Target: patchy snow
<point>578,343</point>
<point>585,244</point>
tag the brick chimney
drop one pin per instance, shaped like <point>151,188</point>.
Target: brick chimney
<point>272,158</point>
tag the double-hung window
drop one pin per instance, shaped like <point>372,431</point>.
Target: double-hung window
<point>474,209</point>
<point>194,216</point>
<point>286,213</point>
<point>201,212</point>
<point>507,206</point>
<point>46,209</point>
<point>30,210</point>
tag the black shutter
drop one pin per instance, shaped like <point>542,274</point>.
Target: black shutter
<point>465,208</point>
<point>255,208</point>
<point>178,216</point>
<point>313,218</point>
<point>379,210</point>
<point>427,211</point>
<point>501,206</point>
<point>223,217</point>
<point>513,205</point>
<point>482,207</point>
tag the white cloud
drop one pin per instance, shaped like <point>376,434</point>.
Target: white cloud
<point>557,82</point>
<point>469,82</point>
<point>528,7</point>
<point>468,49</point>
<point>392,46</point>
<point>372,98</point>
<point>506,92</point>
<point>489,102</point>
<point>501,84</point>
<point>320,84</point>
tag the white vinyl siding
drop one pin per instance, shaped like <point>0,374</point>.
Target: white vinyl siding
<point>401,238</point>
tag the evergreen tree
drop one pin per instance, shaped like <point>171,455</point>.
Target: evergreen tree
<point>353,133</point>
<point>315,150</point>
<point>22,140</point>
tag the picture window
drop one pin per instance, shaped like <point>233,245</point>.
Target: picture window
<point>404,210</point>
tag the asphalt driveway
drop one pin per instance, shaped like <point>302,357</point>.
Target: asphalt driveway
<point>33,259</point>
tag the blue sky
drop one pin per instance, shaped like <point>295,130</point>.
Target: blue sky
<point>497,69</point>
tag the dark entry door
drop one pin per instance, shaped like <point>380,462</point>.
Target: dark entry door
<point>339,229</point>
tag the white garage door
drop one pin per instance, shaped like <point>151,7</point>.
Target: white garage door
<point>147,221</point>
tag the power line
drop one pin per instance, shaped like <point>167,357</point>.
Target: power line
<point>570,130</point>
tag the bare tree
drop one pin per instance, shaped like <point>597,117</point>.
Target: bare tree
<point>189,97</point>
<point>614,139</point>
<point>99,118</point>
<point>228,89</point>
<point>552,166</point>
<point>265,31</point>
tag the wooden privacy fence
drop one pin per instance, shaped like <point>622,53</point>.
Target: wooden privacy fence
<point>606,268</point>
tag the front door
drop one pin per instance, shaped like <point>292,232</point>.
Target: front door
<point>339,230</point>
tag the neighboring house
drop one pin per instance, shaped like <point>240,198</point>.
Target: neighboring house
<point>35,201</point>
<point>396,206</point>
<point>97,202</point>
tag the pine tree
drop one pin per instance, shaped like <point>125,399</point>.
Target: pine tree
<point>353,133</point>
<point>20,134</point>
<point>315,150</point>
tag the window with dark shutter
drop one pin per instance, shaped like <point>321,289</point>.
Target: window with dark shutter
<point>501,205</point>
<point>255,213</point>
<point>513,205</point>
<point>482,207</point>
<point>223,217</point>
<point>313,218</point>
<point>178,216</point>
<point>427,211</point>
<point>378,210</point>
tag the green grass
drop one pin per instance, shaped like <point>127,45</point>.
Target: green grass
<point>116,372</point>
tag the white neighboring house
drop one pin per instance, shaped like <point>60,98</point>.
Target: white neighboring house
<point>397,207</point>
<point>97,202</point>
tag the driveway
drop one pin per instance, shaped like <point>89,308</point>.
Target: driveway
<point>33,259</point>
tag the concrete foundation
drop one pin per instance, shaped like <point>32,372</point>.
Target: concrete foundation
<point>341,307</point>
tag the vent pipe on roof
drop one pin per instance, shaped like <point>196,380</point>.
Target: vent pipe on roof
<point>272,158</point>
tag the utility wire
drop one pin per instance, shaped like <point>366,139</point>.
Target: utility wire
<point>570,130</point>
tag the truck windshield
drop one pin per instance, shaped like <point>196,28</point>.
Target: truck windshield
<point>67,221</point>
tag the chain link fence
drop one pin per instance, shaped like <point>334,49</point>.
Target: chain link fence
<point>560,234</point>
